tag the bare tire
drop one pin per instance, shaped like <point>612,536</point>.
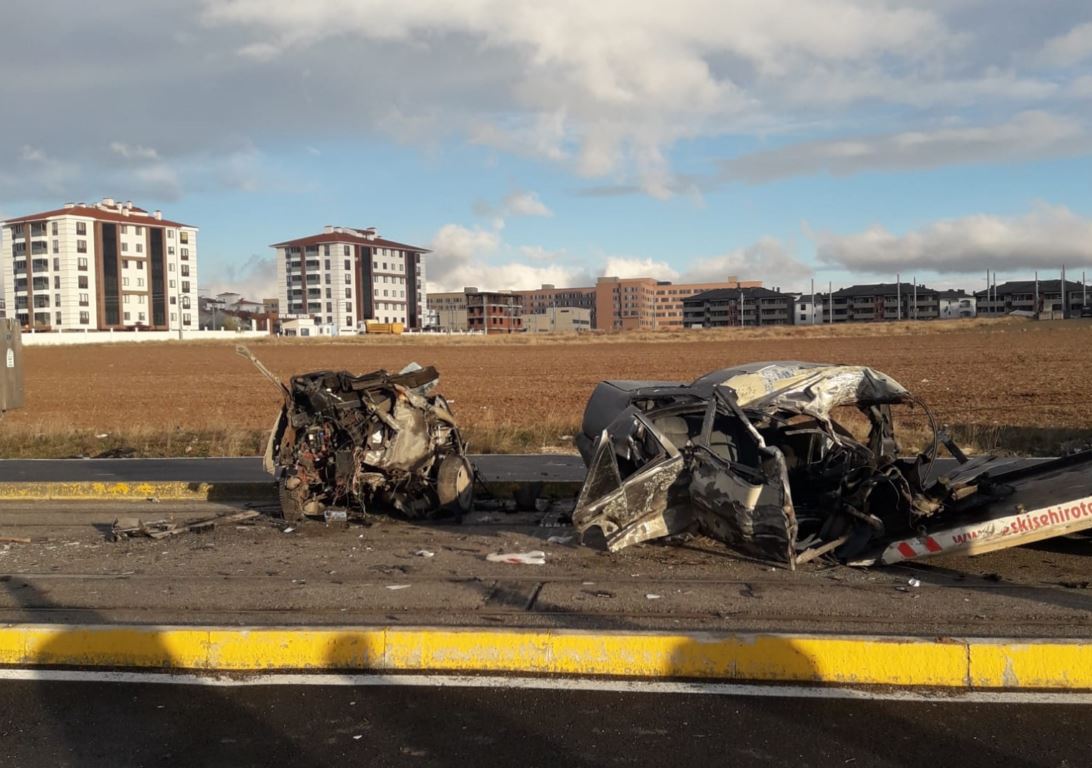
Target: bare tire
<point>455,484</point>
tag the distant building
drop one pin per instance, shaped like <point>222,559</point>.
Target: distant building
<point>559,320</point>
<point>102,266</point>
<point>1020,296</point>
<point>345,277</point>
<point>625,303</point>
<point>271,306</point>
<point>538,301</point>
<point>806,313</point>
<point>885,301</point>
<point>735,307</point>
<point>956,303</point>
<point>491,312</point>
<point>447,311</point>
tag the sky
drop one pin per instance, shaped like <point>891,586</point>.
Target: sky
<point>556,141</point>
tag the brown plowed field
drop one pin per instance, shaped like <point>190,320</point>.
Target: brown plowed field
<point>1010,377</point>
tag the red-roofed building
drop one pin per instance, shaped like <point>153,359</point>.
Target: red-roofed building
<point>347,276</point>
<point>99,266</point>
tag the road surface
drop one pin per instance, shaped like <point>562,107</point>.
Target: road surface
<point>48,724</point>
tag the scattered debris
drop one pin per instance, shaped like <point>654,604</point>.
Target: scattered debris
<point>559,539</point>
<point>394,587</point>
<point>289,529</point>
<point>160,529</point>
<point>652,596</point>
<point>751,456</point>
<point>424,553</point>
<point>14,540</point>
<point>380,439</point>
<point>534,557</point>
<point>914,583</point>
<point>335,516</point>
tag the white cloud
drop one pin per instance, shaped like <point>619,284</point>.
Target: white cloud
<point>1047,237</point>
<point>621,266</point>
<point>768,260</point>
<point>525,204</point>
<point>1071,48</point>
<point>133,152</point>
<point>612,103</point>
<point>539,254</point>
<point>1027,135</point>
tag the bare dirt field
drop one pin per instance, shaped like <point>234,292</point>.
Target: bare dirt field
<point>1012,382</point>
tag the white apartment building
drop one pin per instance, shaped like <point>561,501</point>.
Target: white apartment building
<point>345,277</point>
<point>101,266</point>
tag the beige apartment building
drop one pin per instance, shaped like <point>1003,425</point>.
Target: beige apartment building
<point>101,266</point>
<point>344,277</point>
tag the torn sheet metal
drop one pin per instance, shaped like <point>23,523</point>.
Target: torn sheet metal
<point>379,441</point>
<point>751,456</point>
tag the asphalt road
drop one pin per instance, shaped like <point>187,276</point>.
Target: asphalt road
<point>51,724</point>
<point>494,468</point>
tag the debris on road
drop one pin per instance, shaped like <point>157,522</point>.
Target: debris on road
<point>126,527</point>
<point>383,440</point>
<point>534,557</point>
<point>753,457</point>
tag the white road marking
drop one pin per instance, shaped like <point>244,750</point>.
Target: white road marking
<point>553,684</point>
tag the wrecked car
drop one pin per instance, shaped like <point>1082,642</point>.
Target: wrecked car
<point>374,442</point>
<point>752,456</point>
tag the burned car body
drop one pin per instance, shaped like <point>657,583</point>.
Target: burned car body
<point>751,456</point>
<point>382,441</point>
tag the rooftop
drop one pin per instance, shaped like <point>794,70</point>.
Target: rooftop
<point>106,209</point>
<point>359,236</point>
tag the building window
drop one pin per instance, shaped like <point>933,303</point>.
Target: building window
<point>174,316</point>
<point>139,230</point>
<point>124,263</point>
<point>184,237</point>
<point>81,227</point>
<point>139,264</point>
<point>174,299</point>
<point>185,253</point>
<point>170,234</point>
<point>140,282</point>
<point>170,250</point>
<point>81,246</point>
<point>348,293</point>
<point>81,262</point>
<point>84,300</point>
<point>140,247</point>
<point>348,264</point>
<point>56,246</point>
<point>186,286</point>
<point>126,315</point>
<point>124,229</point>
<point>85,318</point>
<point>171,283</point>
<point>140,317</point>
<point>185,318</point>
<point>185,270</point>
<point>81,281</point>
<point>58,317</point>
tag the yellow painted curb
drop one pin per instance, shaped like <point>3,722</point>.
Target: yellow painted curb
<point>843,660</point>
<point>162,490</point>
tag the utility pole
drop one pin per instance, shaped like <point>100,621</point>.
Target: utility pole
<point>830,302</point>
<point>813,301</point>
<point>1065,299</point>
<point>915,313</point>
<point>988,307</point>
<point>741,323</point>
<point>898,296</point>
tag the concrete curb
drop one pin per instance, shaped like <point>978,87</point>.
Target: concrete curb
<point>173,490</point>
<point>955,663</point>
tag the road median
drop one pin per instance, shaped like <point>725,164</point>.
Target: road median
<point>844,660</point>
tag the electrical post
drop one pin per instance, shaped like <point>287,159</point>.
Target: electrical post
<point>898,296</point>
<point>830,302</point>
<point>813,301</point>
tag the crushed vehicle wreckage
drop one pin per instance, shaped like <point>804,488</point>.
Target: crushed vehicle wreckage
<point>375,442</point>
<point>751,456</point>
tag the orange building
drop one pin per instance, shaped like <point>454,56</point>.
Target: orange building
<point>642,303</point>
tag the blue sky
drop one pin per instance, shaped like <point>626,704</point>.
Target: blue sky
<point>839,140</point>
